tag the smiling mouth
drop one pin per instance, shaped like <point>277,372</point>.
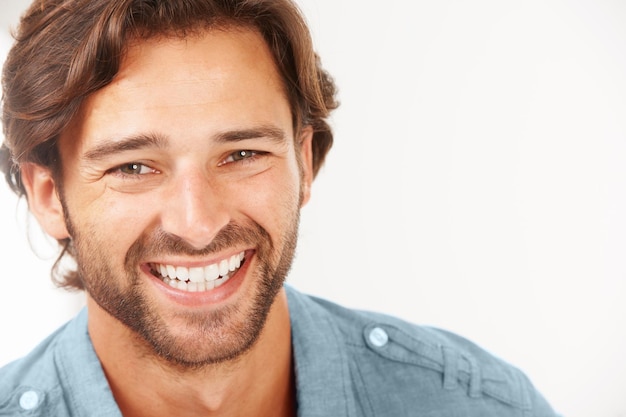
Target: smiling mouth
<point>196,279</point>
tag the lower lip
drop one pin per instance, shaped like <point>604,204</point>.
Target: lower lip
<point>203,298</point>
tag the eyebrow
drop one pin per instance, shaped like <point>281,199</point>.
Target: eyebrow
<point>273,133</point>
<point>130,143</point>
<point>144,141</point>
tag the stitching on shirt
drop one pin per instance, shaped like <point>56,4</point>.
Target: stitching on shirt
<point>344,365</point>
<point>430,356</point>
<point>59,364</point>
<point>366,402</point>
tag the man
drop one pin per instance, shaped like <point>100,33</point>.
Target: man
<point>169,146</point>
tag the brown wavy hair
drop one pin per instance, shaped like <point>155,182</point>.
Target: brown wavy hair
<point>65,50</point>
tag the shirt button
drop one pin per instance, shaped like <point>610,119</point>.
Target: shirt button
<point>378,337</point>
<point>29,400</point>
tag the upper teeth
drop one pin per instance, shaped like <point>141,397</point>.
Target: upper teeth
<point>201,274</point>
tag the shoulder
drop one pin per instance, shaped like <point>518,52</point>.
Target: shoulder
<point>32,382</point>
<point>25,382</point>
<point>399,365</point>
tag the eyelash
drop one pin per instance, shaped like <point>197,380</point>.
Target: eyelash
<point>246,155</point>
<point>136,165</point>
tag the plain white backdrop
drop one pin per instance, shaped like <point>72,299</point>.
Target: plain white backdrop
<point>477,183</point>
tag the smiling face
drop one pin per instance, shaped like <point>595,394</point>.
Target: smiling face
<point>182,185</point>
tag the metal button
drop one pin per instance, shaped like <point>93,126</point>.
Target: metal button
<point>29,400</point>
<point>378,337</point>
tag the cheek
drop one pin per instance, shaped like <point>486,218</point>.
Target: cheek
<point>271,200</point>
<point>116,221</point>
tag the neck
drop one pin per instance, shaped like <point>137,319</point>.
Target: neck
<point>261,382</point>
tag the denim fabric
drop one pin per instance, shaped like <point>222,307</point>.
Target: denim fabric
<point>64,375</point>
<point>347,363</point>
<point>355,363</point>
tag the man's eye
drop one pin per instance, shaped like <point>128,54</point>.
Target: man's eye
<point>135,168</point>
<point>243,154</point>
<point>240,155</point>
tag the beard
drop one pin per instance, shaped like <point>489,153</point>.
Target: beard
<point>205,338</point>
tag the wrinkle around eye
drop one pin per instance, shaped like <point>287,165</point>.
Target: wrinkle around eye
<point>133,184</point>
<point>132,178</point>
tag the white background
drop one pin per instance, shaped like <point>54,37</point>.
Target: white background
<point>477,183</point>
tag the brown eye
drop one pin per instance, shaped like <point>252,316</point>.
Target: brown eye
<point>131,169</point>
<point>135,168</point>
<point>243,154</point>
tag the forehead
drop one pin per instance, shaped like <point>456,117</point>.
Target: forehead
<point>224,76</point>
<point>229,50</point>
<point>228,57</point>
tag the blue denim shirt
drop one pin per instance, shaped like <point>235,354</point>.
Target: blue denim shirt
<point>347,363</point>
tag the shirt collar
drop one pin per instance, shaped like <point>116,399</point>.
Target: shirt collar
<point>81,374</point>
<point>323,380</point>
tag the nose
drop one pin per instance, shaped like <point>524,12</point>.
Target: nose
<point>195,209</point>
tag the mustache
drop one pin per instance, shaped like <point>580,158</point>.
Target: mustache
<point>160,242</point>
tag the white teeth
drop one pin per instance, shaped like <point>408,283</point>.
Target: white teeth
<point>211,272</point>
<point>233,263</point>
<point>199,278</point>
<point>222,280</point>
<point>182,273</point>
<point>171,271</point>
<point>224,267</point>
<point>196,274</point>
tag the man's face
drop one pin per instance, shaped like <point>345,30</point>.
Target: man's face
<point>181,192</point>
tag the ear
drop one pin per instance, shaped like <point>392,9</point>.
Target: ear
<point>43,199</point>
<point>306,162</point>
